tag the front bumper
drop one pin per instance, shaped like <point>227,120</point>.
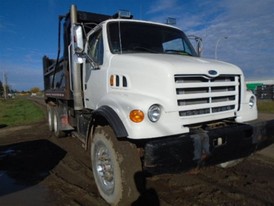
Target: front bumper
<point>214,146</point>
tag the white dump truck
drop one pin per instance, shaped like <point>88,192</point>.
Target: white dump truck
<point>141,100</point>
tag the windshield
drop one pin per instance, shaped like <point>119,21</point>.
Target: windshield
<point>133,37</point>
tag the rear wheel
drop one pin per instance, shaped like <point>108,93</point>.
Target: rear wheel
<point>50,117</point>
<point>114,165</point>
<point>57,124</point>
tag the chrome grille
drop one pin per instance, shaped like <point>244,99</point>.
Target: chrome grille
<point>201,95</point>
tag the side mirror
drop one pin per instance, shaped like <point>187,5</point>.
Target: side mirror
<point>198,41</point>
<point>200,47</point>
<point>78,39</point>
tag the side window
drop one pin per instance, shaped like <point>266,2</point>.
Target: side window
<point>174,44</point>
<point>177,44</point>
<point>95,47</point>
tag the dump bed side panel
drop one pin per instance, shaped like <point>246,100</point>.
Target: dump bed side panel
<point>56,81</point>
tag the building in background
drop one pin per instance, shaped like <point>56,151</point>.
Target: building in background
<point>263,89</point>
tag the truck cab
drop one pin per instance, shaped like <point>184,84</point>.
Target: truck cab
<point>151,74</point>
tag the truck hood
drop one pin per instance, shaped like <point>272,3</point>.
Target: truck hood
<point>152,76</point>
<point>176,64</point>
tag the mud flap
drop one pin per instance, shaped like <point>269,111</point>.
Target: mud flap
<point>63,119</point>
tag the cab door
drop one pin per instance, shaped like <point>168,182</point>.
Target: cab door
<point>92,80</point>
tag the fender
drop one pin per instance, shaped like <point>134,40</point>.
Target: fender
<point>113,119</point>
<point>124,103</point>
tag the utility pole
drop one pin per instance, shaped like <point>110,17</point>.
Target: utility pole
<point>218,41</point>
<point>5,83</point>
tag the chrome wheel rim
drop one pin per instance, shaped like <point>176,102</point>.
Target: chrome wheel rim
<point>104,168</point>
<point>50,119</point>
<point>55,123</point>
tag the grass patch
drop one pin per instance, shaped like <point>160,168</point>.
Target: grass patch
<point>19,111</point>
<point>266,106</point>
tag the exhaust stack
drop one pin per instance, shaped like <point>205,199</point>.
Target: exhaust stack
<point>75,66</point>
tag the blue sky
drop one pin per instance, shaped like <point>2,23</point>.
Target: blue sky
<point>28,30</point>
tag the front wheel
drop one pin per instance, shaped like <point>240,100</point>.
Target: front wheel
<point>115,165</point>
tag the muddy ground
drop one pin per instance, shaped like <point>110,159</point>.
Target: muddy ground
<point>38,169</point>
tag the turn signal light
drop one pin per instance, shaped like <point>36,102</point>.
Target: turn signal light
<point>111,80</point>
<point>136,116</point>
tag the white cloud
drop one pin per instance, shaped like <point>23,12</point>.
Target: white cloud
<point>6,26</point>
<point>248,24</point>
<point>162,6</point>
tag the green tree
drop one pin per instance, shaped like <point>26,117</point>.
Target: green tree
<point>35,90</point>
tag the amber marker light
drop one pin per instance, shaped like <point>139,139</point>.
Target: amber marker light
<point>111,80</point>
<point>136,116</point>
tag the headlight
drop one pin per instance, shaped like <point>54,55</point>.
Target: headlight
<point>252,102</point>
<point>154,113</point>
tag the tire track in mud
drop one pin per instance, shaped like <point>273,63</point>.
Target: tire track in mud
<point>249,183</point>
<point>73,181</point>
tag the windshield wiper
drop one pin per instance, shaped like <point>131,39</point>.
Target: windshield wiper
<point>139,48</point>
<point>174,51</point>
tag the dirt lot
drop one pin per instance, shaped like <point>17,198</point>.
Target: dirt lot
<point>38,169</point>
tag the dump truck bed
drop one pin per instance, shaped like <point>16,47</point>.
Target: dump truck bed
<point>57,83</point>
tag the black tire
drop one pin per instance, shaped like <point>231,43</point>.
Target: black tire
<point>50,117</point>
<point>57,124</point>
<point>114,165</point>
